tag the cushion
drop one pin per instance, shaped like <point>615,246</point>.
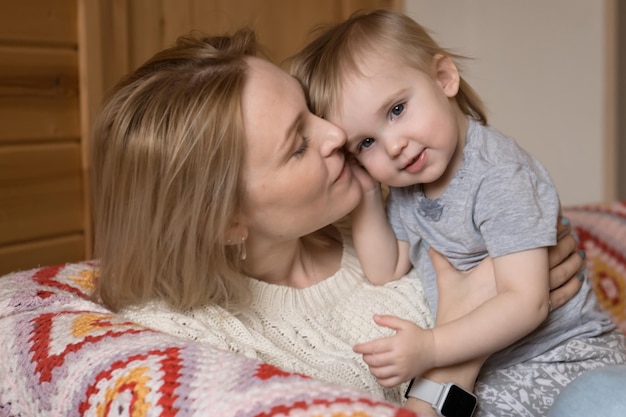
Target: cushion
<point>64,355</point>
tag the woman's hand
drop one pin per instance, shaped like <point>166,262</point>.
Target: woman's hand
<point>566,265</point>
<point>461,291</point>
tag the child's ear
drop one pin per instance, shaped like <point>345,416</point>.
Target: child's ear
<point>445,72</point>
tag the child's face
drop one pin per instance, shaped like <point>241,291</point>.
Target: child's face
<point>403,124</point>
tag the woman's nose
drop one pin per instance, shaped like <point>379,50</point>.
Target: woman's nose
<point>333,138</point>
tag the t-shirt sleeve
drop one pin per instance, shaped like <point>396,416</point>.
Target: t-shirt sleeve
<point>516,209</point>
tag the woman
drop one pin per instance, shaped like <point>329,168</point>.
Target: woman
<point>215,192</point>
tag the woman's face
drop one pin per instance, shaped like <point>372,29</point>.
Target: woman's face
<point>295,173</point>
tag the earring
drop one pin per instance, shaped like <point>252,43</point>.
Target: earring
<point>242,249</point>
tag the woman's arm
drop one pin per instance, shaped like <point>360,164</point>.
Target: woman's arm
<point>459,295</point>
<point>455,301</point>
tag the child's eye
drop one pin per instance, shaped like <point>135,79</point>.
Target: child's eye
<point>397,110</point>
<point>365,143</point>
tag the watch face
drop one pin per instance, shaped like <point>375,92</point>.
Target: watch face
<point>458,403</point>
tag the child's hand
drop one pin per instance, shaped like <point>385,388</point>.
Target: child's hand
<point>363,177</point>
<point>398,358</point>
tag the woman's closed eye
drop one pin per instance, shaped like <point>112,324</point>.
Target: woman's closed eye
<point>302,148</point>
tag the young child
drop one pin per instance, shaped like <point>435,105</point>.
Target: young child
<point>456,185</point>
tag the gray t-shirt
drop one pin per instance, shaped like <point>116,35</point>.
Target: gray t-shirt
<point>500,201</point>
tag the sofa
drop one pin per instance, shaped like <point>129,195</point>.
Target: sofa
<point>61,354</point>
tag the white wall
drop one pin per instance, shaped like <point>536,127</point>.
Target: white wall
<point>540,67</point>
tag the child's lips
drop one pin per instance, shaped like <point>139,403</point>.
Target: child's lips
<point>416,164</point>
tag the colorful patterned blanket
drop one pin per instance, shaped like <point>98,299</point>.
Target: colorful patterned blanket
<point>64,355</point>
<point>602,233</point>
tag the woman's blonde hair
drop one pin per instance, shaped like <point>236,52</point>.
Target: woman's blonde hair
<point>167,154</point>
<point>336,50</point>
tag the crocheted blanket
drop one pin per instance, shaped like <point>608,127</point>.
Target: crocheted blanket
<point>63,355</point>
<point>602,233</point>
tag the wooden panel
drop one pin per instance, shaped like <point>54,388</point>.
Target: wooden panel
<point>97,33</point>
<point>41,192</point>
<point>41,253</point>
<point>38,94</point>
<point>30,67</point>
<point>39,119</point>
<point>38,21</point>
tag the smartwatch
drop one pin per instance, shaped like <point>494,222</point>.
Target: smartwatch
<point>448,400</point>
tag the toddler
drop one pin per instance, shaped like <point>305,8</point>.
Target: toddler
<point>459,186</point>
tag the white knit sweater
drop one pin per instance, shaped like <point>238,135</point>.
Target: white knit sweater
<point>309,331</point>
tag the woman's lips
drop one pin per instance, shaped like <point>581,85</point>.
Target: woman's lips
<point>344,172</point>
<point>416,164</point>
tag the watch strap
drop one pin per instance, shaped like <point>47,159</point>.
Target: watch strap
<point>425,390</point>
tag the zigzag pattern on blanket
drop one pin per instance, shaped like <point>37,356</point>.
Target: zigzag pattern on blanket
<point>65,355</point>
<point>602,233</point>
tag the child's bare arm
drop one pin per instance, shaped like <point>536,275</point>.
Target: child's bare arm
<point>382,256</point>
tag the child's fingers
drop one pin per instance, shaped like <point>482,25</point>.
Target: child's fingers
<point>370,348</point>
<point>389,382</point>
<point>392,322</point>
<point>388,376</point>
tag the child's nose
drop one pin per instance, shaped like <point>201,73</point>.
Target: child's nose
<point>395,145</point>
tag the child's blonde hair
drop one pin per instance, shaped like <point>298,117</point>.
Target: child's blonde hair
<point>167,154</point>
<point>336,50</point>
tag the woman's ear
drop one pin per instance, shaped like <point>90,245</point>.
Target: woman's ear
<point>445,73</point>
<point>236,233</point>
